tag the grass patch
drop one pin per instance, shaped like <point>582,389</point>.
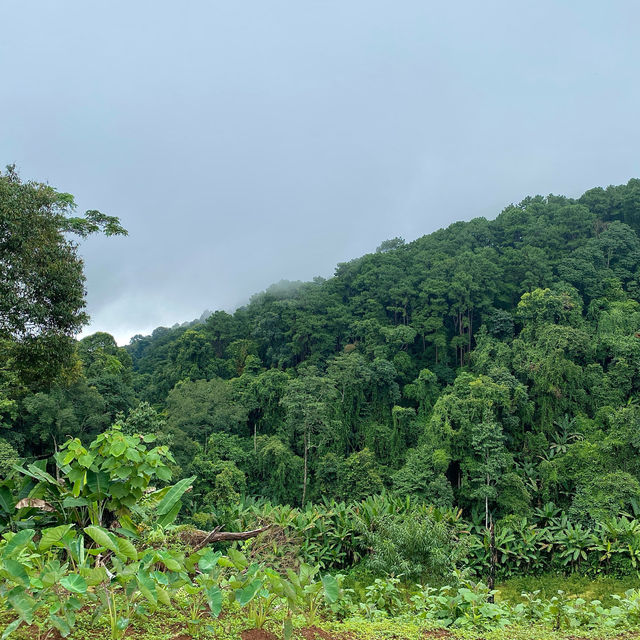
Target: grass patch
<point>599,588</point>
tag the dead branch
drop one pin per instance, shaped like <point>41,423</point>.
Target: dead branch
<point>225,536</point>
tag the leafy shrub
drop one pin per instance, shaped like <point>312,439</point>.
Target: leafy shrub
<point>413,545</point>
<point>604,497</point>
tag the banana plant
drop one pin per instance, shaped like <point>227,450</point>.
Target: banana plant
<point>574,543</point>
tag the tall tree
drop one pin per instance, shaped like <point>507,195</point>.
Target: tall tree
<point>41,275</point>
<point>309,402</point>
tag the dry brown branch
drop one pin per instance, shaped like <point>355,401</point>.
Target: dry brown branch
<point>226,536</point>
<point>34,502</point>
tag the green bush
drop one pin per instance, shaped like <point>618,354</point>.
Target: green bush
<point>413,545</point>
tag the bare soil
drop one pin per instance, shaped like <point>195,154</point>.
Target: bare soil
<point>316,633</point>
<point>258,634</point>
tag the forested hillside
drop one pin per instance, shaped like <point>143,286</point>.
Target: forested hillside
<point>352,452</point>
<point>493,365</point>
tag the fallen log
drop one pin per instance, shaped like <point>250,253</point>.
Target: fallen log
<point>226,536</point>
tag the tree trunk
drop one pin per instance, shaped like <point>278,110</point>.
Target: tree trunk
<point>470,332</point>
<point>492,560</point>
<point>486,505</point>
<point>304,477</point>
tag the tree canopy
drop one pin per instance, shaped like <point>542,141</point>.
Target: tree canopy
<point>493,365</point>
<point>41,276</point>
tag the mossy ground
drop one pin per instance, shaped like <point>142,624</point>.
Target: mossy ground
<point>165,624</point>
<point>601,588</point>
<point>171,623</point>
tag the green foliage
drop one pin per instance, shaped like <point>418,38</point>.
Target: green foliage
<point>42,282</point>
<point>492,365</point>
<point>485,373</point>
<point>106,484</point>
<point>9,457</point>
<point>49,574</point>
<point>415,545</point>
<point>604,497</point>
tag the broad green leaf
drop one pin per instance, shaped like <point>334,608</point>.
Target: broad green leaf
<point>76,473</point>
<point>169,561</point>
<point>287,628</point>
<point>94,576</point>
<point>11,628</point>
<point>208,560</point>
<point>174,494</point>
<point>74,583</point>
<point>163,596</point>
<point>214,600</point>
<point>133,455</point>
<point>166,519</point>
<point>164,473</point>
<point>331,588</point>
<point>86,460</point>
<point>60,624</point>
<point>72,503</point>
<point>138,482</point>
<point>119,490</point>
<point>98,483</point>
<point>289,592</point>
<point>307,572</point>
<point>160,576</point>
<point>122,472</point>
<point>126,549</point>
<point>239,560</point>
<point>23,605</point>
<point>7,503</point>
<point>17,571</point>
<point>118,447</point>
<point>147,586</point>
<point>246,594</point>
<point>41,475</point>
<point>76,546</point>
<point>18,541</point>
<point>129,527</point>
<point>102,537</point>
<point>52,535</point>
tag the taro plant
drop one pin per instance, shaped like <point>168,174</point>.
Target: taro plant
<point>307,595</point>
<point>37,586</point>
<point>135,580</point>
<point>203,595</point>
<point>263,603</point>
<point>382,597</point>
<point>247,581</point>
<point>467,605</point>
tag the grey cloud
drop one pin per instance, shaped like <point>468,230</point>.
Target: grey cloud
<point>245,143</point>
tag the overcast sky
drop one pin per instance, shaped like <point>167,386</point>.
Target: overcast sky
<point>242,143</point>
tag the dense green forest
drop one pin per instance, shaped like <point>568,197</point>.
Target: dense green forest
<point>493,366</point>
<point>375,446</point>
